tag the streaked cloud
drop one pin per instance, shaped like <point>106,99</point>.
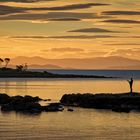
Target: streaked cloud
<point>68,51</point>
<point>124,44</point>
<point>65,37</point>
<point>51,15</point>
<point>91,30</point>
<point>65,19</point>
<point>121,13</point>
<point>134,53</point>
<point>69,28</point>
<point>93,53</point>
<point>122,21</point>
<point>64,49</point>
<point>72,6</point>
<point>4,10</point>
<point>24,1</point>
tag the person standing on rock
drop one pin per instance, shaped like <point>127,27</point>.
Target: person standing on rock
<point>131,85</point>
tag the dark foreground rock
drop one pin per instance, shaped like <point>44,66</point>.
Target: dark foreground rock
<point>26,104</point>
<point>116,102</point>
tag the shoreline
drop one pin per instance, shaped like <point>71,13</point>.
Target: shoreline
<point>13,73</point>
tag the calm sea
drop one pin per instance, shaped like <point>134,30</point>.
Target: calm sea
<point>82,124</point>
<point>123,74</point>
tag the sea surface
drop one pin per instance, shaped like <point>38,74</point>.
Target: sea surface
<point>122,74</point>
<point>82,124</point>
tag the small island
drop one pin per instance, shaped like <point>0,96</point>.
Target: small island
<point>124,102</point>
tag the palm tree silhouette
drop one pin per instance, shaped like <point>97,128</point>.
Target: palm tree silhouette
<point>1,61</point>
<point>7,60</point>
<point>19,67</point>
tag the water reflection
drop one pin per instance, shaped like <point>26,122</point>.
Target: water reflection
<point>55,88</point>
<point>82,124</point>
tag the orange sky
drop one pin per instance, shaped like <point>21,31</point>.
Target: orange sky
<point>70,29</point>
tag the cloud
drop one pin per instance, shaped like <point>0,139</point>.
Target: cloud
<point>72,6</point>
<point>65,19</point>
<point>68,51</point>
<point>4,10</point>
<point>92,53</point>
<point>49,16</point>
<point>65,49</point>
<point>133,52</point>
<point>122,21</point>
<point>90,30</point>
<point>24,1</point>
<point>133,36</point>
<point>121,13</point>
<point>65,37</point>
<point>123,44</point>
<point>82,37</point>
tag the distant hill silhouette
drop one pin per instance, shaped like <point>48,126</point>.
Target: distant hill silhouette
<point>48,66</point>
<point>37,66</point>
<point>112,62</point>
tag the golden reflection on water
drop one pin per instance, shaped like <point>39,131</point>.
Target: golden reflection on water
<point>82,124</point>
<point>55,88</point>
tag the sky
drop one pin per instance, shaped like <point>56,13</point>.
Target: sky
<point>57,29</point>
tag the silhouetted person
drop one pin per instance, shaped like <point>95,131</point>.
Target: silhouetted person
<point>131,85</point>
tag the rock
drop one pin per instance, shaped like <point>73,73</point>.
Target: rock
<point>54,107</point>
<point>116,102</point>
<point>4,98</point>
<point>47,100</point>
<point>70,109</point>
<point>28,98</point>
<point>20,103</point>
<point>26,104</point>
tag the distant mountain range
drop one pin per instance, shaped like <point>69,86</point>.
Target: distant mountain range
<point>112,62</point>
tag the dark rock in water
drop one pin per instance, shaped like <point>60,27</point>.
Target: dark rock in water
<point>21,106</point>
<point>26,104</point>
<point>28,98</point>
<point>70,109</point>
<point>20,103</point>
<point>47,100</point>
<point>121,109</point>
<point>4,98</point>
<point>54,107</point>
<point>116,102</point>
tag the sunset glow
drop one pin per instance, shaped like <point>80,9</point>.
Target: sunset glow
<point>55,29</point>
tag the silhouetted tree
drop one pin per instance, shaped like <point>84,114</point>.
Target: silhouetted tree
<point>1,61</point>
<point>25,67</point>
<point>19,67</point>
<point>7,60</point>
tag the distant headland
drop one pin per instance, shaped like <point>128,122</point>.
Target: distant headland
<point>18,73</point>
<point>22,71</point>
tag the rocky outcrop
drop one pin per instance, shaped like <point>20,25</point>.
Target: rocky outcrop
<point>124,102</point>
<point>26,104</point>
